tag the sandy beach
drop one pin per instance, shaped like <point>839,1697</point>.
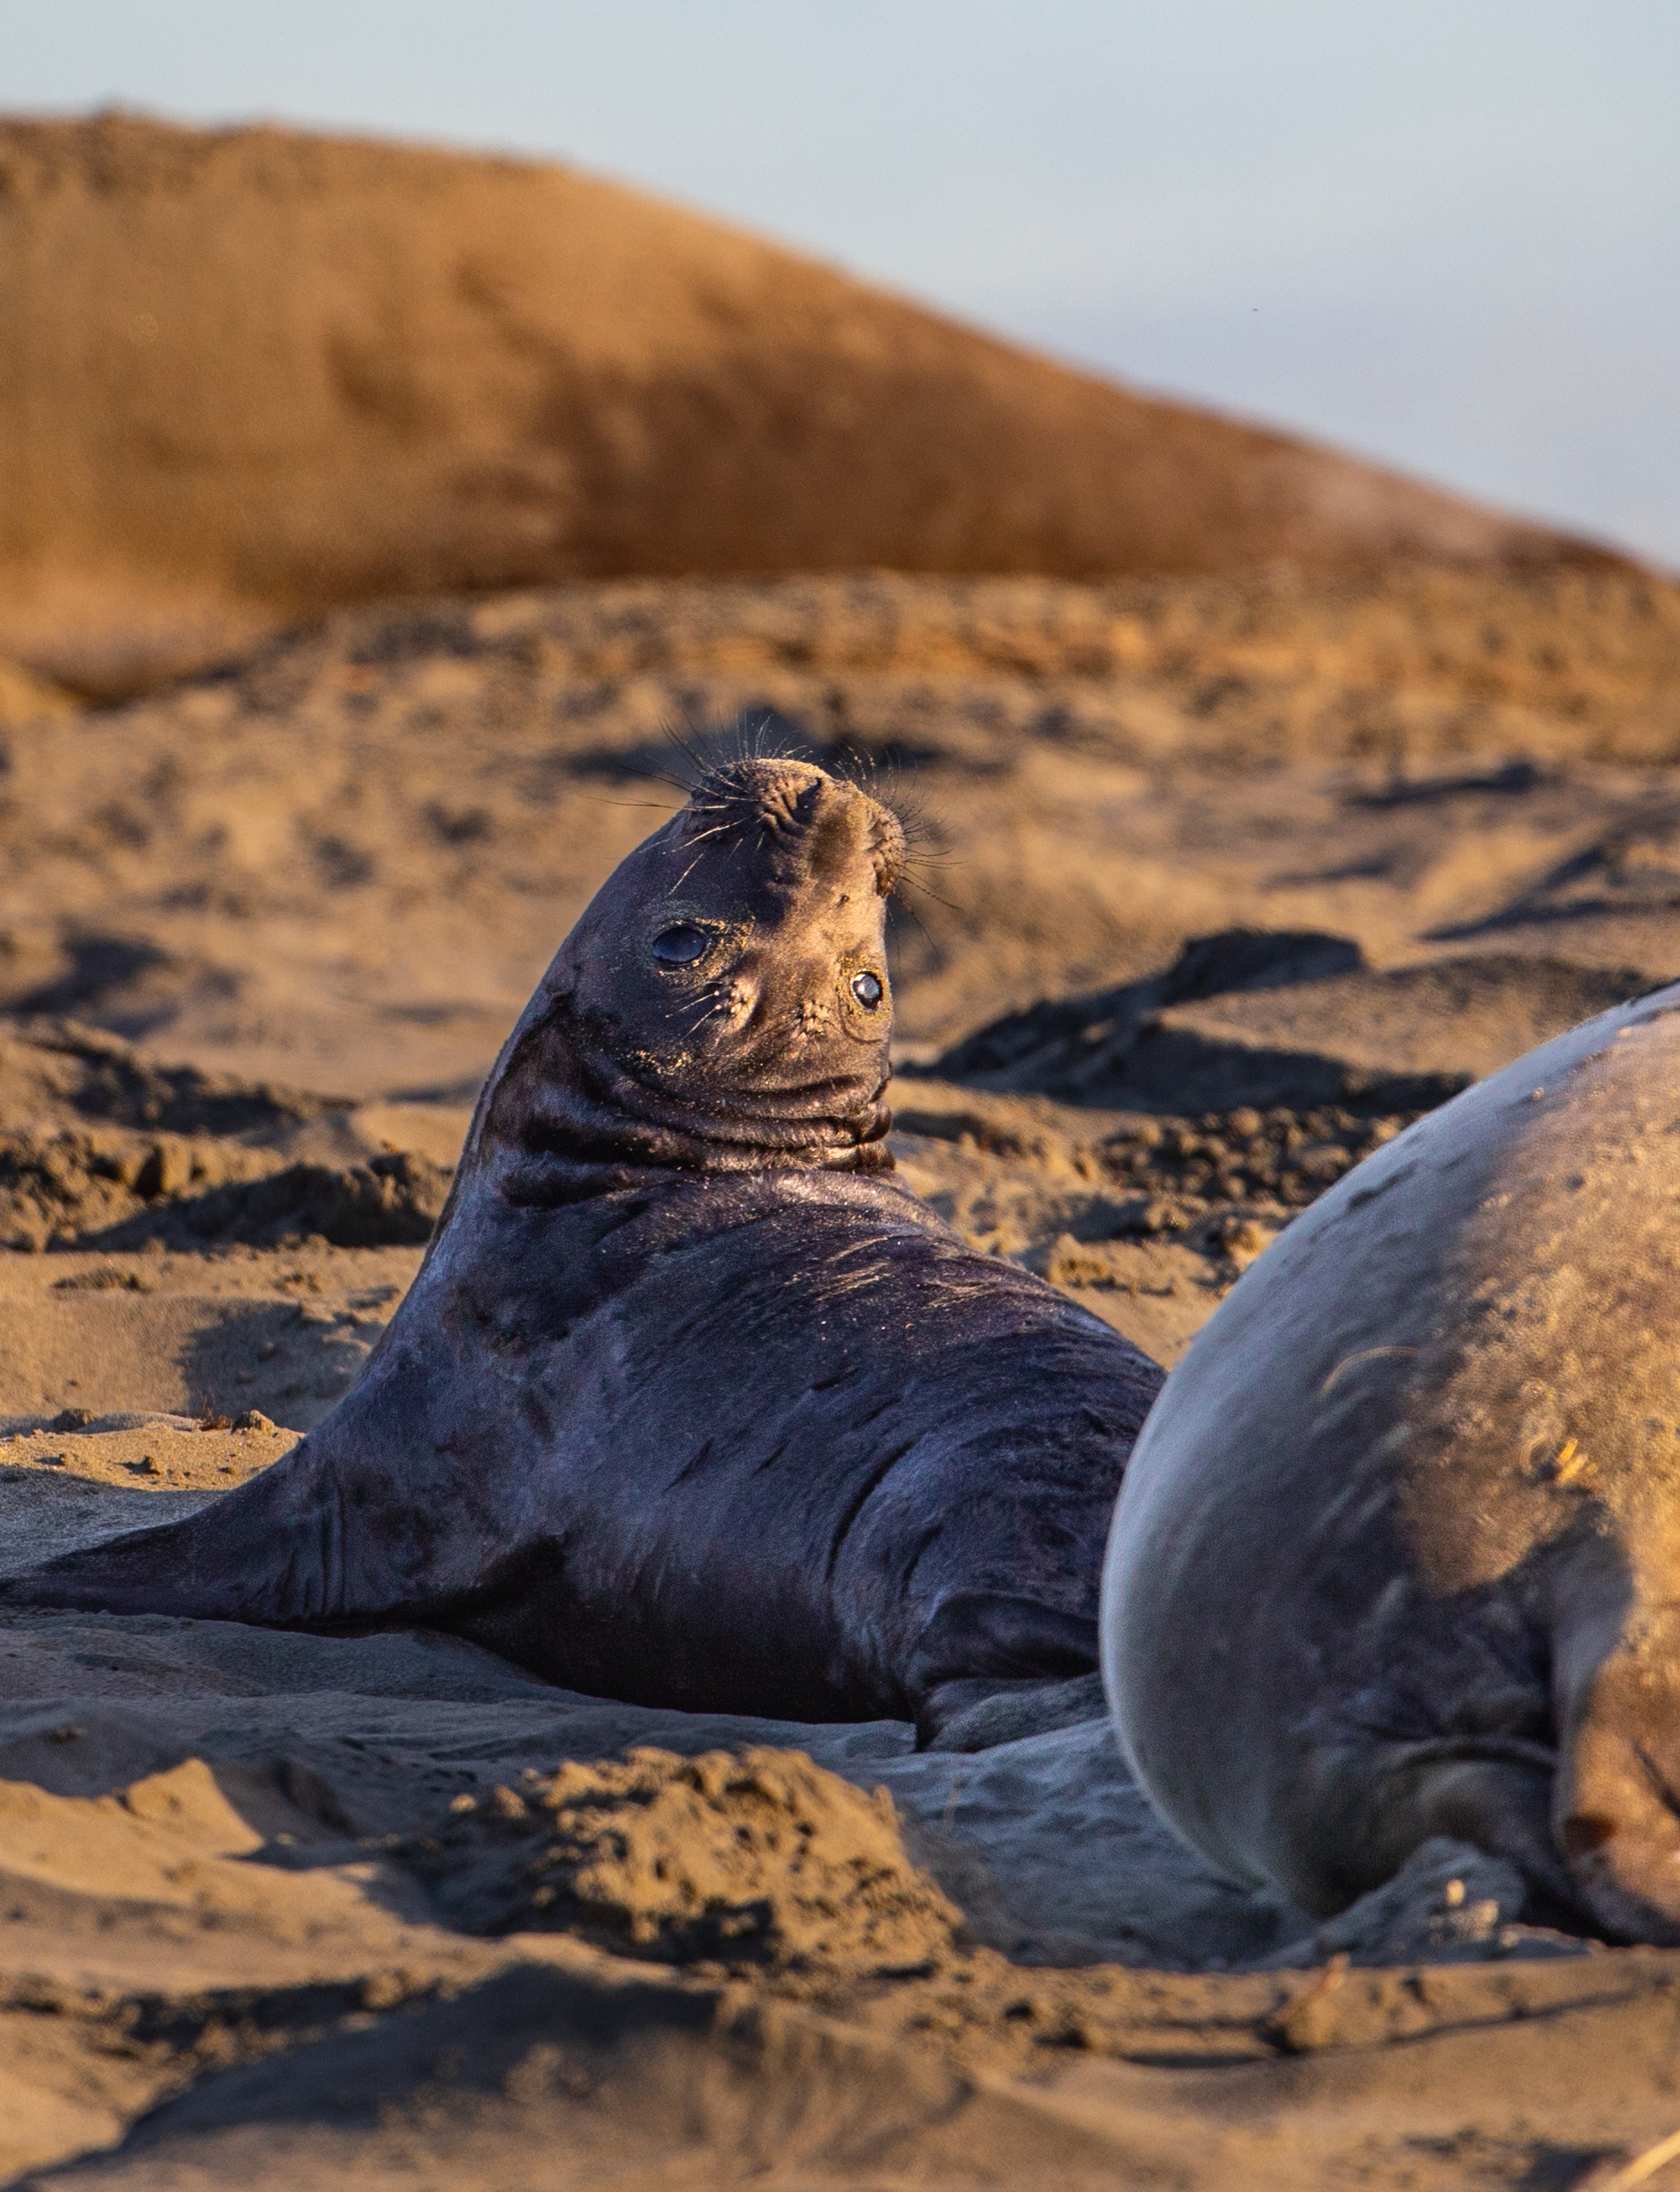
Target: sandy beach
<point>389,532</point>
<point>1221,883</point>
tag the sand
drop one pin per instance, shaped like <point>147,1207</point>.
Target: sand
<point>297,1907</point>
<point>345,861</point>
<point>1225,880</point>
<point>252,373</point>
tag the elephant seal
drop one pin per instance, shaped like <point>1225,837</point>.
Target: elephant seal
<point>1398,1554</point>
<point>691,1403</point>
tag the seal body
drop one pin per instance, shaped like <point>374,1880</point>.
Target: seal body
<point>691,1404</point>
<point>1398,1554</point>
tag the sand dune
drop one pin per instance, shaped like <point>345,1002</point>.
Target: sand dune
<point>253,373</point>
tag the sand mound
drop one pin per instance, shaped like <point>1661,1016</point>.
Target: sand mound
<point>1091,1189</point>
<point>346,861</point>
<point>254,373</point>
<point>1632,867</point>
<point>1245,1019</point>
<point>392,1201</point>
<point>83,1190</point>
<point>760,1857</point>
<point>61,1188</point>
<point>61,1073</point>
<point>222,1176</point>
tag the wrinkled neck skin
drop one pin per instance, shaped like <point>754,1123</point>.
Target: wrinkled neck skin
<point>566,1116</point>
<point>711,1013</point>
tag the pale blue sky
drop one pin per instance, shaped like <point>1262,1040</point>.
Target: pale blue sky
<point>1442,231</point>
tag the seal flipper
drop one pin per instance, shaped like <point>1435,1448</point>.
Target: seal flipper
<point>1616,1811</point>
<point>980,1715</point>
<point>991,1659</point>
<point>288,1550</point>
<point>1355,1812</point>
<point>1593,1825</point>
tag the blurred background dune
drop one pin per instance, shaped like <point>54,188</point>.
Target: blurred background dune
<point>376,512</point>
<point>256,374</point>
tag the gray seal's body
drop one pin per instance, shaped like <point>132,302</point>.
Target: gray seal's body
<point>1398,1554</point>
<point>691,1403</point>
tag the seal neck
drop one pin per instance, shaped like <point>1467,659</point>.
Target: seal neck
<point>567,1114</point>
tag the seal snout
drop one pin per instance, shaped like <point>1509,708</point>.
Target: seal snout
<point>796,810</point>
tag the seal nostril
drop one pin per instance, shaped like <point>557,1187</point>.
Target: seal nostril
<point>1584,1832</point>
<point>681,945</point>
<point>867,989</point>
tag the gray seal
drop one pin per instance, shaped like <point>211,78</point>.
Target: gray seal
<point>1398,1554</point>
<point>691,1403</point>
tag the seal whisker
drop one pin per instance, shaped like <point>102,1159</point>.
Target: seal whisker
<point>696,760</point>
<point>910,913</point>
<point>700,1009</point>
<point>1644,2165</point>
<point>649,806</point>
<point>914,883</point>
<point>687,872</point>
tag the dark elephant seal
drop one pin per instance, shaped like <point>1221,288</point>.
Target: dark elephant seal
<point>1398,1554</point>
<point>691,1403</point>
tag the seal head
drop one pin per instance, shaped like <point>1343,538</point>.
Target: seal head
<point>725,999</point>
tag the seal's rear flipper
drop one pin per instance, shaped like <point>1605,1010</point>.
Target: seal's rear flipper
<point>983,1647</point>
<point>284,1551</point>
<point>979,1716</point>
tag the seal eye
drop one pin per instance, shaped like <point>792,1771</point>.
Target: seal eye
<point>680,946</point>
<point>867,990</point>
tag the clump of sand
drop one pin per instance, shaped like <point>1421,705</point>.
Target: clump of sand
<point>393,1200</point>
<point>77,1184</point>
<point>86,1162</point>
<point>1245,1019</point>
<point>760,1857</point>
